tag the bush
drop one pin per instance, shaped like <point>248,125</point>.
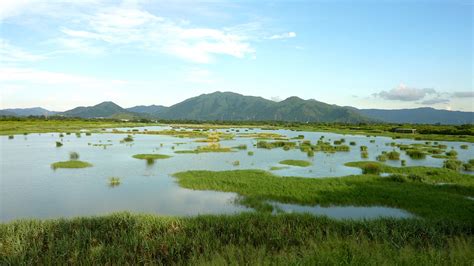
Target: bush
<point>415,154</point>
<point>452,153</point>
<point>371,169</point>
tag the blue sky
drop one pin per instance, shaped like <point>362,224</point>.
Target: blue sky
<point>367,54</point>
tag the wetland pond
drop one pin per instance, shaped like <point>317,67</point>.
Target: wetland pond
<point>31,188</point>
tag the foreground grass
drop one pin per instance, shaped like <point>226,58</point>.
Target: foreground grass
<point>423,199</point>
<point>70,164</point>
<point>251,238</point>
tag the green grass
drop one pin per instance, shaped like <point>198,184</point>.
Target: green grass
<point>300,163</point>
<point>70,164</point>
<point>209,148</point>
<point>151,156</point>
<point>423,199</point>
<point>244,239</point>
<point>114,181</point>
<point>276,168</point>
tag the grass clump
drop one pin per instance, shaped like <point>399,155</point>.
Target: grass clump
<point>151,156</point>
<point>300,163</point>
<point>382,157</point>
<point>114,181</point>
<point>241,147</point>
<point>236,163</point>
<point>393,155</point>
<point>128,138</point>
<point>11,137</point>
<point>73,156</point>
<point>59,144</point>
<point>464,146</point>
<point>276,168</point>
<point>415,154</point>
<point>452,164</point>
<point>363,148</point>
<point>452,153</point>
<point>371,169</point>
<point>364,154</point>
<point>214,147</point>
<point>250,153</point>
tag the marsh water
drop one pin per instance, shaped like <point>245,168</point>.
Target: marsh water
<point>30,188</point>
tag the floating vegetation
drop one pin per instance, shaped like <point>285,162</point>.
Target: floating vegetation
<point>151,156</point>
<point>276,168</point>
<point>11,137</point>
<point>114,181</point>
<point>241,147</point>
<point>128,138</point>
<point>70,164</point>
<point>464,146</point>
<point>59,144</point>
<point>393,155</point>
<point>78,134</point>
<point>382,157</point>
<point>299,137</point>
<point>88,133</point>
<point>452,164</point>
<point>352,143</point>
<point>61,135</point>
<point>372,141</point>
<point>286,145</point>
<point>363,148</point>
<point>300,163</point>
<point>416,154</point>
<point>263,136</point>
<point>73,156</point>
<point>214,147</point>
<point>250,153</point>
<point>452,153</point>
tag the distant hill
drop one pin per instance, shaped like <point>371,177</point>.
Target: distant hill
<point>229,106</point>
<point>101,110</point>
<point>150,109</point>
<point>424,115</point>
<point>232,106</point>
<point>35,111</point>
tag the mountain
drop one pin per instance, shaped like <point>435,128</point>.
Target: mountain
<point>151,109</point>
<point>35,111</point>
<point>424,115</point>
<point>233,106</point>
<point>101,110</point>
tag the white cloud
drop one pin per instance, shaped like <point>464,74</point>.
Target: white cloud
<point>434,101</point>
<point>11,54</point>
<point>286,35</point>
<point>200,76</point>
<point>404,93</point>
<point>123,26</point>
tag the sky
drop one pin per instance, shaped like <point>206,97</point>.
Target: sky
<point>367,54</point>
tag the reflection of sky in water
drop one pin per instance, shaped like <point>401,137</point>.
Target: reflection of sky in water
<point>30,188</point>
<point>345,212</point>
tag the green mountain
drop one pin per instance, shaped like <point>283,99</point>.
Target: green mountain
<point>150,109</point>
<point>233,106</point>
<point>101,110</point>
<point>35,111</point>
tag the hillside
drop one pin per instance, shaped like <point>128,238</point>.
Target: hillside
<point>102,110</point>
<point>233,106</point>
<point>35,111</point>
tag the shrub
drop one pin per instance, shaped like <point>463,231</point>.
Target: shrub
<point>381,158</point>
<point>403,163</point>
<point>310,153</point>
<point>363,148</point>
<point>352,143</point>
<point>464,146</point>
<point>452,153</point>
<point>416,154</point>
<point>364,154</point>
<point>371,168</point>
<point>59,144</point>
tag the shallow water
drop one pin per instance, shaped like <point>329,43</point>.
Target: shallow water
<point>345,212</point>
<point>30,188</point>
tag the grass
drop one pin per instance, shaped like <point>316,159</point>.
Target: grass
<point>423,199</point>
<point>276,168</point>
<point>59,144</point>
<point>244,239</point>
<point>70,164</point>
<point>151,156</point>
<point>114,181</point>
<point>300,163</point>
<point>214,147</point>
<point>8,127</point>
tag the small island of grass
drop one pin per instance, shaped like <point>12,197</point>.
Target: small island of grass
<point>300,163</point>
<point>151,156</point>
<point>70,164</point>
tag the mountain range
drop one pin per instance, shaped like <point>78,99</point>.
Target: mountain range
<point>229,106</point>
